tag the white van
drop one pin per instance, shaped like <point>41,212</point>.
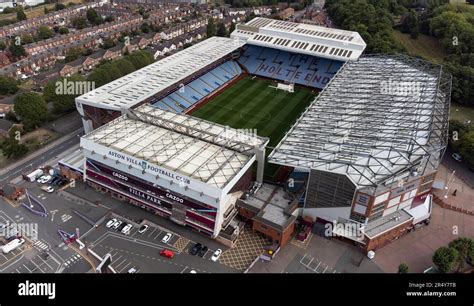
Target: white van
<point>7,248</point>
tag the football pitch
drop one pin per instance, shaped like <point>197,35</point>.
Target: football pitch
<point>252,105</point>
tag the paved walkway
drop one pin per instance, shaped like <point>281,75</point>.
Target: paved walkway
<point>248,246</point>
<point>463,200</point>
<point>417,248</point>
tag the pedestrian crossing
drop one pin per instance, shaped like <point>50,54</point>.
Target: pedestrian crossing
<point>41,245</point>
<point>71,260</point>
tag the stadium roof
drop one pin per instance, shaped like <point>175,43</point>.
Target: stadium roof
<point>137,86</point>
<point>301,38</point>
<point>199,149</point>
<point>379,118</point>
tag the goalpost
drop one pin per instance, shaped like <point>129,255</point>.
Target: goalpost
<point>286,87</point>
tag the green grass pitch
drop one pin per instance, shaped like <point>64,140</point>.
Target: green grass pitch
<point>251,104</point>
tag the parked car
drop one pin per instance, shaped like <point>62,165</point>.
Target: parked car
<point>48,189</point>
<point>143,229</point>
<point>121,226</point>
<point>166,238</point>
<point>127,228</point>
<point>117,224</point>
<point>167,253</point>
<point>110,223</point>
<point>43,179</point>
<point>457,157</point>
<point>193,272</point>
<point>195,249</point>
<point>203,251</point>
<point>216,255</point>
<point>132,270</point>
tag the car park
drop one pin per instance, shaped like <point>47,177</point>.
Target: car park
<point>216,255</point>
<point>143,228</point>
<point>110,223</point>
<point>203,251</point>
<point>166,238</point>
<point>195,249</point>
<point>127,228</point>
<point>167,253</point>
<point>121,226</point>
<point>117,224</point>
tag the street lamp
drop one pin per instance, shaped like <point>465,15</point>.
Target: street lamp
<point>448,185</point>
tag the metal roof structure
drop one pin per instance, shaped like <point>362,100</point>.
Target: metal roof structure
<point>137,86</point>
<point>301,38</point>
<point>380,118</point>
<point>201,150</point>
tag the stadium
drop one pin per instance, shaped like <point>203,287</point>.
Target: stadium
<point>202,135</point>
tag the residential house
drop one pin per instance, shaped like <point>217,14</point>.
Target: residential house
<point>4,59</point>
<point>49,75</point>
<point>93,60</point>
<point>73,67</point>
<point>287,13</point>
<point>114,52</point>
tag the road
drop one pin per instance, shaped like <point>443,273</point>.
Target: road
<point>37,159</point>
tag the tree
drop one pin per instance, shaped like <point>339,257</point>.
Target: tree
<point>109,18</point>
<point>63,30</point>
<point>12,148</point>
<point>93,17</point>
<point>8,10</point>
<point>411,24</point>
<point>3,46</point>
<point>99,76</point>
<point>73,53</point>
<point>145,28</point>
<point>231,29</point>
<point>44,32</point>
<point>63,102</point>
<point>31,108</point>
<point>211,28</point>
<point>221,30</point>
<point>8,85</point>
<point>125,66</point>
<point>79,23</point>
<point>26,39</point>
<point>20,15</point>
<point>403,268</point>
<point>444,258</point>
<point>17,51</point>
<point>140,59</point>
<point>59,6</point>
<point>108,43</point>
<point>466,147</point>
<point>465,248</point>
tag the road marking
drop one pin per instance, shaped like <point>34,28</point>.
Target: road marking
<point>154,229</point>
<point>27,268</point>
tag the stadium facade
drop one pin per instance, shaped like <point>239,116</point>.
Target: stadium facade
<point>372,142</point>
<point>361,148</point>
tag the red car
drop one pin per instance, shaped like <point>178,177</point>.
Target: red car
<point>167,253</point>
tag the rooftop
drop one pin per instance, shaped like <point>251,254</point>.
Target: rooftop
<point>380,117</point>
<point>301,38</point>
<point>135,87</point>
<point>202,150</point>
